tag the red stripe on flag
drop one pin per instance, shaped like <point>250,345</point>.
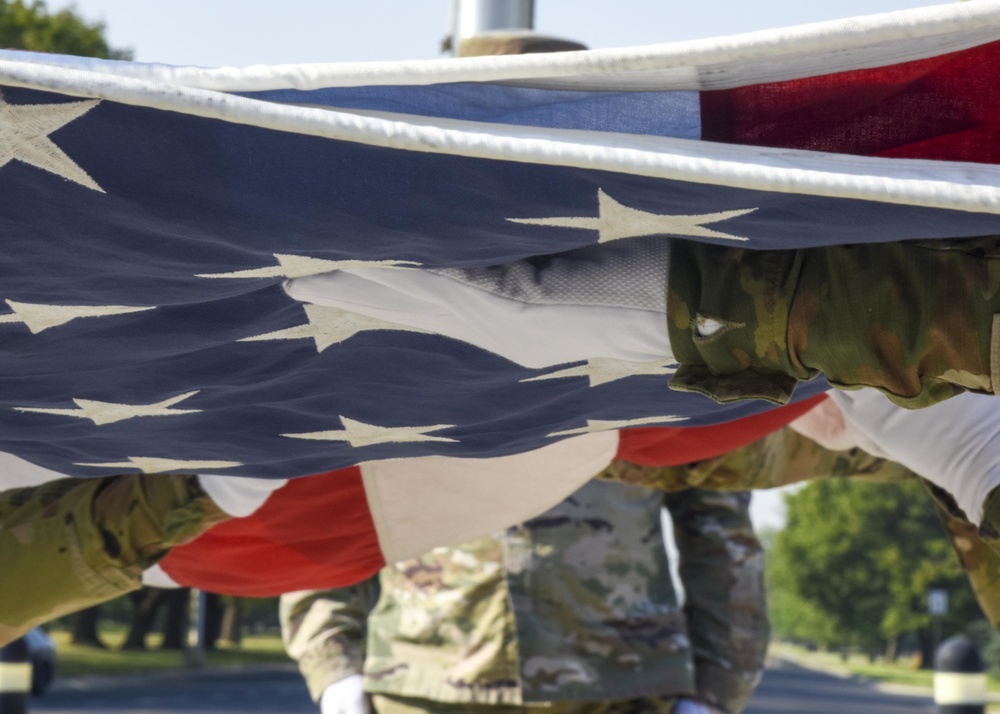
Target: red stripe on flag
<point>317,532</point>
<point>666,446</point>
<point>313,533</point>
<point>945,108</point>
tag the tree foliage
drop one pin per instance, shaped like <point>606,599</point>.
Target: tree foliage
<point>855,562</point>
<point>32,26</point>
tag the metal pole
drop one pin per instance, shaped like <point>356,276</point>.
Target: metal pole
<point>478,16</point>
<point>15,677</point>
<point>501,27</point>
<point>451,41</point>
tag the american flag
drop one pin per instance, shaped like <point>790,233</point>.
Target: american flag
<point>150,216</point>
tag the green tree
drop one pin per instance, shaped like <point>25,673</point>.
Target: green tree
<point>854,563</point>
<point>32,26</point>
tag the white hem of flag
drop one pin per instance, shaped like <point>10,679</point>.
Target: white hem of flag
<point>933,184</point>
<point>955,185</point>
<point>818,48</point>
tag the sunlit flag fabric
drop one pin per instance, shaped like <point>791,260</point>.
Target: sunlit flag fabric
<point>338,528</point>
<point>151,216</point>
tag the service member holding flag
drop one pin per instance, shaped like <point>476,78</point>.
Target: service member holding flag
<point>73,543</point>
<point>572,612</point>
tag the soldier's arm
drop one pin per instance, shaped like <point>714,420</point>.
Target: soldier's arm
<point>69,544</point>
<point>722,569</point>
<point>325,632</point>
<point>781,458</point>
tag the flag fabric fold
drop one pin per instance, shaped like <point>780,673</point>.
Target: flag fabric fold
<point>153,215</point>
<point>338,528</point>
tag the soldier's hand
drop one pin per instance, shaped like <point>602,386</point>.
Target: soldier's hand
<point>345,697</point>
<point>689,706</point>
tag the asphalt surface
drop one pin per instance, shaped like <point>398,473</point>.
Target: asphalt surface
<point>274,689</point>
<point>789,688</point>
<point>279,690</point>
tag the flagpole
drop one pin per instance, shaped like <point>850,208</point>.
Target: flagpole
<point>475,17</point>
<point>478,16</point>
<point>500,27</point>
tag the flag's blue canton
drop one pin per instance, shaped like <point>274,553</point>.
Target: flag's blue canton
<point>182,197</point>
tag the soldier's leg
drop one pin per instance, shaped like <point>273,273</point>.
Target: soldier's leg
<point>73,543</point>
<point>786,457</point>
<point>914,320</point>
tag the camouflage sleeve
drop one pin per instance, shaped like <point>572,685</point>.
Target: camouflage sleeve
<point>325,632</point>
<point>787,457</point>
<point>722,569</point>
<point>779,459</point>
<point>978,549</point>
<point>69,544</point>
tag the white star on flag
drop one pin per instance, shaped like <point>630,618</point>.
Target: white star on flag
<point>302,266</point>
<point>357,434</point>
<point>616,221</point>
<point>42,317</point>
<point>109,412</point>
<point>597,425</point>
<point>24,136</point>
<point>153,465</point>
<point>602,370</point>
<point>329,326</point>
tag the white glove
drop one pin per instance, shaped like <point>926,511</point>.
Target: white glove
<point>688,706</point>
<point>345,697</point>
<point>954,444</point>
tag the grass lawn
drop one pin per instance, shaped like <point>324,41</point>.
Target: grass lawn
<point>75,660</point>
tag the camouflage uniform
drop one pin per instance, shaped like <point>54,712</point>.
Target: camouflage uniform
<point>785,457</point>
<point>576,605</point>
<point>111,541</point>
<point>918,320</point>
<point>72,543</point>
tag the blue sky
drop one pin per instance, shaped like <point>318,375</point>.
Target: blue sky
<point>227,32</point>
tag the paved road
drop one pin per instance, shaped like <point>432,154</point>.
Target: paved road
<point>787,688</point>
<point>278,690</point>
<point>259,690</point>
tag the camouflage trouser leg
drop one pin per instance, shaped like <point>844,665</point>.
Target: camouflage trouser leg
<point>914,320</point>
<point>70,544</point>
<point>786,457</point>
<point>404,705</point>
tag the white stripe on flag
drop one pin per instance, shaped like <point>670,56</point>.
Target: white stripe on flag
<point>932,184</point>
<point>18,473</point>
<point>420,504</point>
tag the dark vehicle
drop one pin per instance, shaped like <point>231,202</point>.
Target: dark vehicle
<point>43,660</point>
